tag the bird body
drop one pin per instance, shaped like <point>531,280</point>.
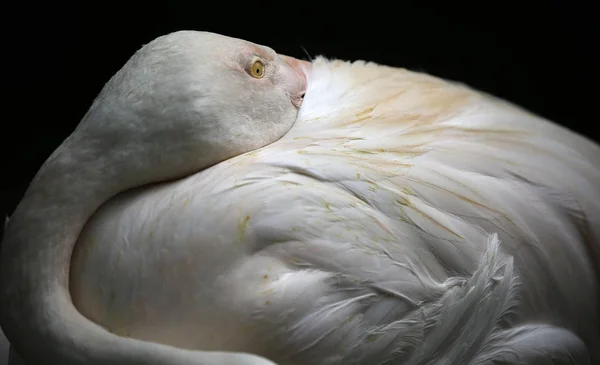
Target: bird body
<point>403,219</point>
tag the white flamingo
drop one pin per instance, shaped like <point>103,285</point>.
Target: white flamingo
<point>402,219</point>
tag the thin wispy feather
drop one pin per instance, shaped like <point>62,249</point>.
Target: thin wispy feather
<point>310,58</point>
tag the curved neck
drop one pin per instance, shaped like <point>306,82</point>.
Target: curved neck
<point>36,310</point>
<point>42,232</point>
<point>62,196</point>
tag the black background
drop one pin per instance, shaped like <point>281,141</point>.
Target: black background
<point>57,57</point>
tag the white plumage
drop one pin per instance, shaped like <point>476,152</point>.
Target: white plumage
<point>402,220</point>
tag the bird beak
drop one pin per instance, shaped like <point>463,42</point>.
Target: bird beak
<point>303,70</point>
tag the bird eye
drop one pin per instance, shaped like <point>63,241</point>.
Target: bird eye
<point>258,69</point>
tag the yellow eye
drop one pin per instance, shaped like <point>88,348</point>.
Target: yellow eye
<point>257,70</point>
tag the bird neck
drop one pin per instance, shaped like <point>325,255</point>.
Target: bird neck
<point>65,192</point>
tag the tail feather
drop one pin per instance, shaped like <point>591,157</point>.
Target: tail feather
<point>455,325</point>
<point>534,345</point>
<point>461,320</point>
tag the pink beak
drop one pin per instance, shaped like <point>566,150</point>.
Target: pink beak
<point>302,69</point>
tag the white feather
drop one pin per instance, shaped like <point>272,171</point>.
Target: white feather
<point>402,220</point>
